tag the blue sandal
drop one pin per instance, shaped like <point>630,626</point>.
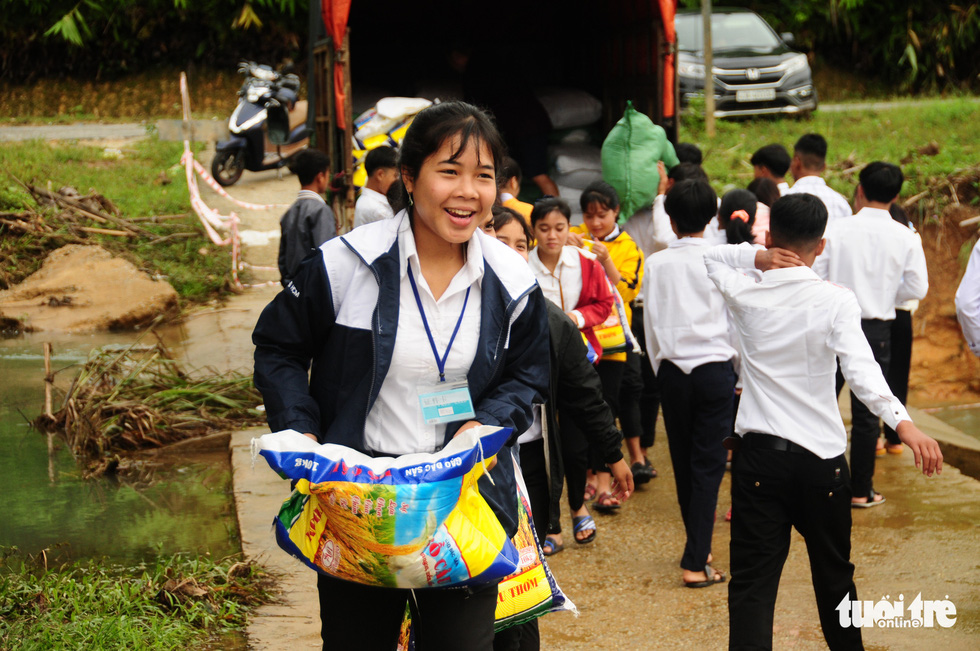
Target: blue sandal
<point>582,523</point>
<point>550,547</point>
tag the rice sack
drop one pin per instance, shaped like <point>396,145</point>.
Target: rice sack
<point>413,521</point>
<point>531,591</point>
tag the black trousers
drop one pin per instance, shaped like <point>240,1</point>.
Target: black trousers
<point>630,399</point>
<point>355,616</point>
<point>698,412</point>
<point>611,375</point>
<point>901,362</point>
<point>865,426</point>
<point>535,473</point>
<point>650,397</point>
<point>576,459</point>
<point>773,491</point>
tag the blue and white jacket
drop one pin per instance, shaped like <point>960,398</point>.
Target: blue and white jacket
<point>335,324</point>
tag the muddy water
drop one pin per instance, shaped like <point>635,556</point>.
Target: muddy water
<point>965,418</point>
<point>181,505</point>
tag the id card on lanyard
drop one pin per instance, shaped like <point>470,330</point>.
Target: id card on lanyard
<point>443,402</point>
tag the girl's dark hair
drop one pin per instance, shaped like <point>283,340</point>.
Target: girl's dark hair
<point>433,125</point>
<point>601,193</point>
<point>503,216</point>
<point>898,214</point>
<point>547,205</point>
<point>395,194</point>
<point>765,190</point>
<point>738,231</point>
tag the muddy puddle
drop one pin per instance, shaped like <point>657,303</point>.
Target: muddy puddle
<point>176,504</point>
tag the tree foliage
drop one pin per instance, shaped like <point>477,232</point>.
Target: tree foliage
<point>927,44</point>
<point>108,37</point>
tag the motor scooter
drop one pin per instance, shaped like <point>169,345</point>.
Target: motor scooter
<point>267,127</point>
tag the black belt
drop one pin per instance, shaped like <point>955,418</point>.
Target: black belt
<point>757,441</point>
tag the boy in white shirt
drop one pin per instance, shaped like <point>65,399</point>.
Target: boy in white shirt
<point>883,263</point>
<point>789,468</point>
<point>690,348</point>
<point>808,163</point>
<point>381,165</point>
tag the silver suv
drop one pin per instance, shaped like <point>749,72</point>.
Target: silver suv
<point>756,72</point>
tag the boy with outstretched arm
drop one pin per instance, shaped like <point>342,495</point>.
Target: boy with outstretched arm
<point>789,469</point>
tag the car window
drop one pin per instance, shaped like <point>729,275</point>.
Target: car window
<point>728,31</point>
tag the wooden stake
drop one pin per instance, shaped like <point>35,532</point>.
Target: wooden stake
<point>48,381</point>
<point>709,77</point>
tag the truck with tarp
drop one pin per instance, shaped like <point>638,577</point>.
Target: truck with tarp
<point>585,61</point>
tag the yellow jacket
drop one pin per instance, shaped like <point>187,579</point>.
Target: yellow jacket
<point>628,258</point>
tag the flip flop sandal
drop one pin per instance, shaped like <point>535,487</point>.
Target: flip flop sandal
<point>872,502</point>
<point>582,523</point>
<point>604,504</point>
<point>708,572</point>
<point>550,547</point>
<point>894,448</point>
<point>641,473</point>
<point>589,492</point>
<point>650,469</point>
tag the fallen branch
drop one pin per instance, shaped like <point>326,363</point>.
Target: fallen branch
<point>158,218</point>
<point>106,231</point>
<point>173,236</point>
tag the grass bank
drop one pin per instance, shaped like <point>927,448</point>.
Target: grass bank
<point>172,603</point>
<point>142,179</point>
<point>930,140</point>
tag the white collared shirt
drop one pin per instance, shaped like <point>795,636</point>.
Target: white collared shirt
<point>563,287</point>
<point>837,204</point>
<point>783,187</point>
<point>662,234</point>
<point>684,316</point>
<point>395,425</point>
<point>968,302</point>
<point>371,206</point>
<point>878,259</point>
<point>792,327</point>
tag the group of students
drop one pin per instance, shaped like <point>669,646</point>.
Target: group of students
<point>466,284</point>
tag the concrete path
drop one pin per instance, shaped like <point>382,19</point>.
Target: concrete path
<point>79,131</point>
<point>293,622</point>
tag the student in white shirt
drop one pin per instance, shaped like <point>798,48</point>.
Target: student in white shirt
<point>809,162</point>
<point>789,468</point>
<point>381,165</point>
<point>901,346</point>
<point>968,302</point>
<point>660,231</point>
<point>772,162</point>
<point>385,315</point>
<point>883,263</point>
<point>690,348</point>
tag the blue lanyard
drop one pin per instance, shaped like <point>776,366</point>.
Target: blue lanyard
<point>440,362</point>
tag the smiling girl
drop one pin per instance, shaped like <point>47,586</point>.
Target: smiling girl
<point>390,311</point>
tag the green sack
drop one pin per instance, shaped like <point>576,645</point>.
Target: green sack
<point>629,160</point>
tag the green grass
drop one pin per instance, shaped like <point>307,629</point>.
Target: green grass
<point>855,138</point>
<point>145,180</point>
<point>94,605</point>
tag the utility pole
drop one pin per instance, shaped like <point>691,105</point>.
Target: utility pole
<point>709,77</point>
